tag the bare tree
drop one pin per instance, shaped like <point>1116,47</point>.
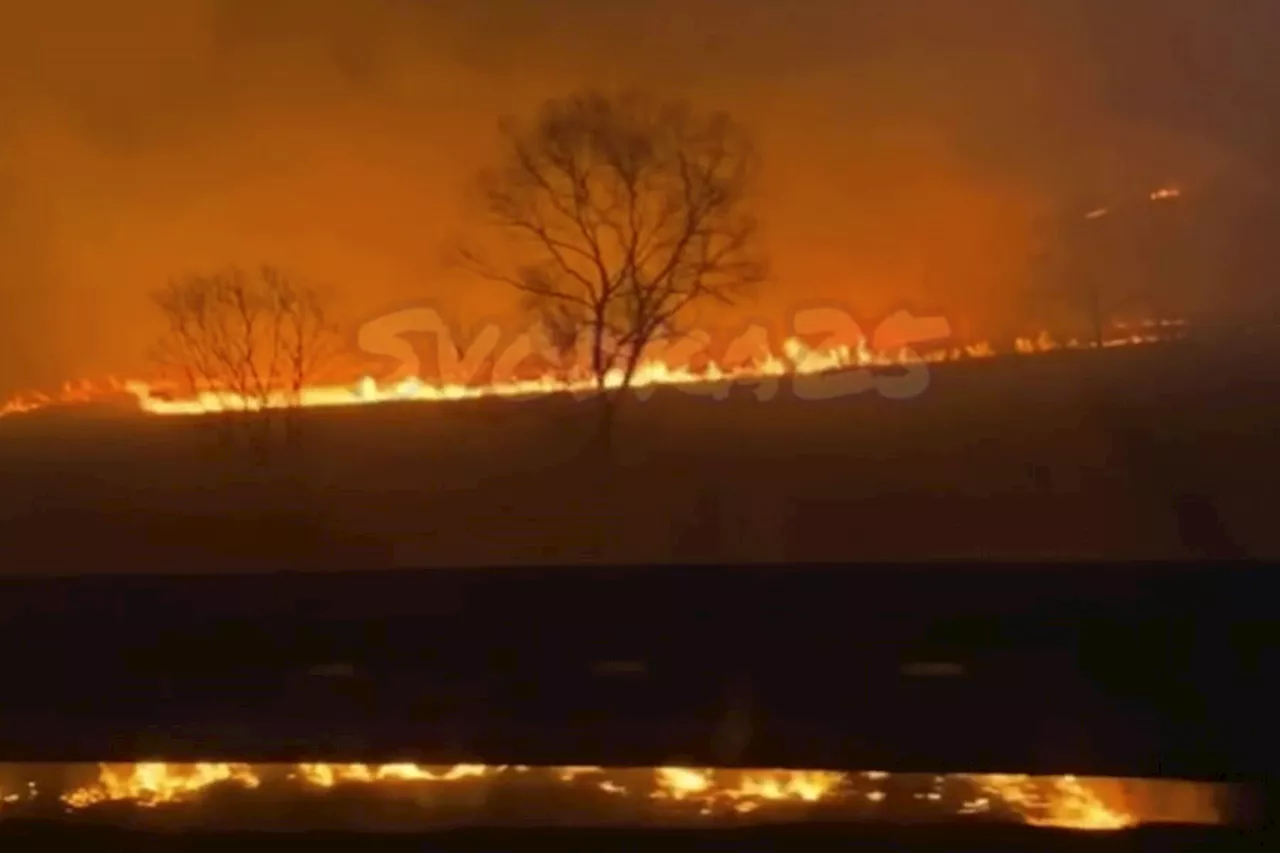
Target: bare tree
<point>1111,261</point>
<point>622,212</point>
<point>1065,278</point>
<point>245,342</point>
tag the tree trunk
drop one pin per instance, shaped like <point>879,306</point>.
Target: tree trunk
<point>259,433</point>
<point>597,356</point>
<point>606,425</point>
<point>603,461</point>
<point>601,483</point>
<point>1095,316</point>
<point>610,400</point>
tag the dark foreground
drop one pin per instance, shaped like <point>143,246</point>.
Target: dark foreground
<point>1159,452</point>
<point>1124,671</point>
<point>945,839</point>
<point>1138,670</point>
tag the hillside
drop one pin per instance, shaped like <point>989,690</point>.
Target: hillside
<point>1071,455</point>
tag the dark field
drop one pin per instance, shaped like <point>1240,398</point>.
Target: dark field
<point>1164,451</point>
<point>24,837</point>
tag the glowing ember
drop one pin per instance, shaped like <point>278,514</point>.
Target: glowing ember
<point>799,359</point>
<point>151,784</point>
<point>328,775</point>
<point>696,793</point>
<point>1067,802</point>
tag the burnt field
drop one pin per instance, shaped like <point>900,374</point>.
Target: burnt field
<point>1163,451</point>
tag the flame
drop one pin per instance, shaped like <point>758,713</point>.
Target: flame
<point>328,775</point>
<point>798,359</point>
<point>752,789</point>
<point>1055,801</point>
<point>150,784</point>
<point>1067,803</point>
<point>77,392</point>
<point>1159,194</point>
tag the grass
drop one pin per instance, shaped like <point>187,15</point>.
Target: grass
<point>1080,455</point>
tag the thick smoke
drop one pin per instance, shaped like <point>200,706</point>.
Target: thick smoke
<point>911,149</point>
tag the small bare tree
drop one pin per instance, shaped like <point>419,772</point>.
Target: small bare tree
<point>1110,261</point>
<point>246,342</point>
<point>623,212</point>
<point>1079,274</point>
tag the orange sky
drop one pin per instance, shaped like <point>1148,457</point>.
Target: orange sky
<point>907,148</point>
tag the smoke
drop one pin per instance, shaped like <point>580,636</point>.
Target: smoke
<point>909,147</point>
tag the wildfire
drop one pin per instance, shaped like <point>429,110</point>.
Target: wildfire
<point>79,392</point>
<point>1069,802</point>
<point>799,359</point>
<point>1156,195</point>
<point>663,369</point>
<point>691,793</point>
<point>152,784</point>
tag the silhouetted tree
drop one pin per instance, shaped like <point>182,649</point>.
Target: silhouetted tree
<point>245,342</point>
<point>1112,262</point>
<point>623,211</point>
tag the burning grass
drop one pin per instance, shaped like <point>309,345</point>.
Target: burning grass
<point>409,796</point>
<point>760,366</point>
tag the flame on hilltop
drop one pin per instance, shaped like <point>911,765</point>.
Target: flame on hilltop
<point>799,360</point>
<point>692,793</point>
<point>663,369</point>
<point>79,392</point>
